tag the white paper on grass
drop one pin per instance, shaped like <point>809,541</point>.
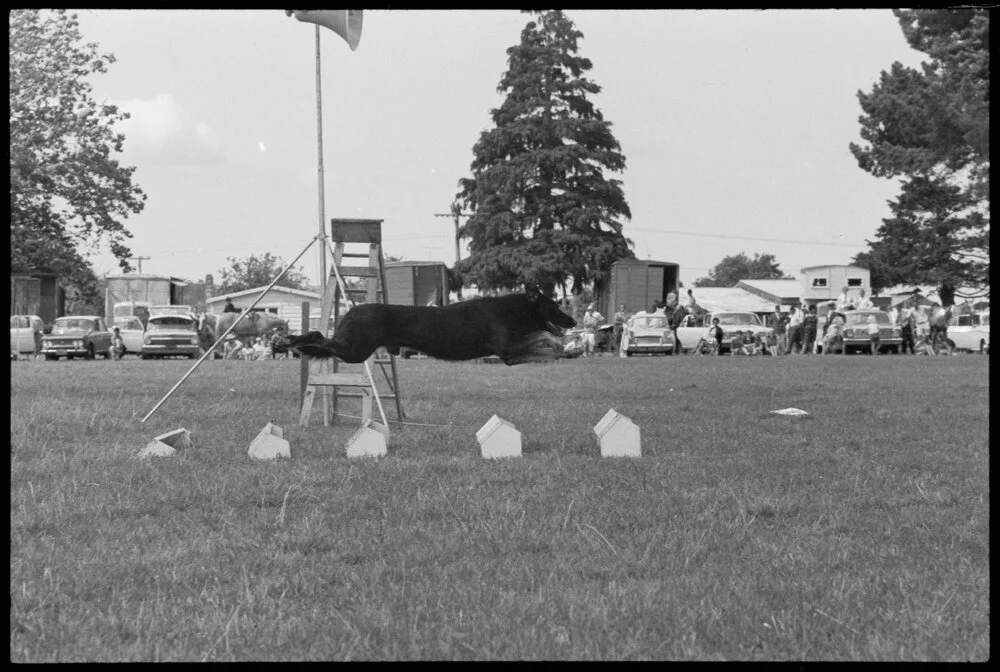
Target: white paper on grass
<point>790,411</point>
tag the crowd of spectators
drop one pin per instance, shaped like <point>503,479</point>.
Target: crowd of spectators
<point>250,349</point>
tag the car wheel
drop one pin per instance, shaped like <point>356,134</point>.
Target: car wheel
<point>144,356</point>
<point>51,358</point>
<point>192,356</point>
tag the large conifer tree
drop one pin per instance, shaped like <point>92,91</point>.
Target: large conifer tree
<point>931,128</point>
<point>544,210</point>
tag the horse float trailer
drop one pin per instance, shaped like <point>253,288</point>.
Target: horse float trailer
<point>638,284</point>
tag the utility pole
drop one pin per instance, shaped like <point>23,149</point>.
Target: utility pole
<point>139,259</point>
<point>457,214</point>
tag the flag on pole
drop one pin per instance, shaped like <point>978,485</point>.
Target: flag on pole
<point>344,22</point>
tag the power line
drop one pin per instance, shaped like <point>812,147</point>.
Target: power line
<point>766,240</point>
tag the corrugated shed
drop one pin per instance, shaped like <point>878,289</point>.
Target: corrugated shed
<point>774,290</point>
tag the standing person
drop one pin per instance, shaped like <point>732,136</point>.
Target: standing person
<point>906,329</point>
<point>893,315</point>
<point>873,334</point>
<point>780,328</point>
<point>117,344</point>
<point>863,303</point>
<point>230,308</point>
<point>621,317</point>
<point>715,334</point>
<point>591,320</point>
<point>810,322</point>
<point>794,330</point>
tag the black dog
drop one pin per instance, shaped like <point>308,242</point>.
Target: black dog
<point>518,328</point>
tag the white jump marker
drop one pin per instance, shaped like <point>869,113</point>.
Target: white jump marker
<point>498,438</point>
<point>167,444</point>
<point>369,441</point>
<point>269,444</point>
<point>618,436</point>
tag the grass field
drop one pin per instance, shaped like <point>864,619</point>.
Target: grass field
<point>860,532</point>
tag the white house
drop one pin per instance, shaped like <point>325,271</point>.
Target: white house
<point>821,284</point>
<point>284,302</point>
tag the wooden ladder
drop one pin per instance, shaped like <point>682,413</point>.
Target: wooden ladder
<point>326,375</point>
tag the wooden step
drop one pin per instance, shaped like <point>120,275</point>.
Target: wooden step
<point>342,379</point>
<point>359,393</point>
<point>358,271</point>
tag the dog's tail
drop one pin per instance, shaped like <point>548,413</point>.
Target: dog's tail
<point>313,344</point>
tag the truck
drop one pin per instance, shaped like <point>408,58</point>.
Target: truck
<point>639,284</point>
<point>141,290</point>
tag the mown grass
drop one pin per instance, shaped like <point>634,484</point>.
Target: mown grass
<point>860,532</point>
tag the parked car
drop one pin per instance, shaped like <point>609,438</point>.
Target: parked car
<point>25,335</point>
<point>647,334</point>
<point>856,332</point>
<point>132,333</point>
<point>171,336</point>
<point>77,336</point>
<point>970,332</point>
<point>693,329</point>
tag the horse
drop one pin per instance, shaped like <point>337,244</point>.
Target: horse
<point>518,328</point>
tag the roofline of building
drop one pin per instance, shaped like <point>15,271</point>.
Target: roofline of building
<point>844,266</point>
<point>258,290</point>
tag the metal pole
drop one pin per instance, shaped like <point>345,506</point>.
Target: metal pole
<point>455,214</point>
<point>233,326</point>
<point>319,170</point>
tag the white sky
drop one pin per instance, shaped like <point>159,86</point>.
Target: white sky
<point>735,127</point>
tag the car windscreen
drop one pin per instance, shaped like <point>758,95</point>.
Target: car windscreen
<point>649,323</point>
<point>861,319</point>
<point>738,319</point>
<point>172,322</point>
<point>63,324</point>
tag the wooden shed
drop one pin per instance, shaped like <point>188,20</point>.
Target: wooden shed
<point>37,294</point>
<point>417,283</point>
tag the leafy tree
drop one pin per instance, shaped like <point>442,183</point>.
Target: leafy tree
<point>543,210</point>
<point>931,127</point>
<point>66,189</point>
<point>738,267</point>
<point>257,271</point>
